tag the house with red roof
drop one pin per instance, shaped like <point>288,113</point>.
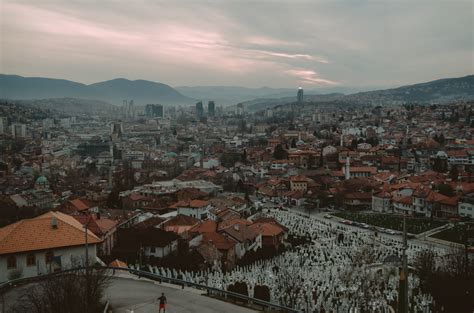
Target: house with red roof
<point>358,200</point>
<point>78,206</point>
<point>272,234</point>
<point>180,224</point>
<point>103,227</point>
<point>381,202</point>
<point>246,237</point>
<point>44,244</point>
<point>194,208</point>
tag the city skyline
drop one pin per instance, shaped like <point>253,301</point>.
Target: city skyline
<point>315,45</point>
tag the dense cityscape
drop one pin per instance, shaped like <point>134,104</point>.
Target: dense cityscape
<point>233,199</point>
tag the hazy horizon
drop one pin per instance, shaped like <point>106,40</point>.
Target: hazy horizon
<point>240,43</point>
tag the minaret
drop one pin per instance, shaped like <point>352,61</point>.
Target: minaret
<point>201,161</point>
<point>347,171</point>
<point>342,140</point>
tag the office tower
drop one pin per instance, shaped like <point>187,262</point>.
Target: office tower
<point>199,110</point>
<point>300,95</point>
<point>18,130</point>
<point>211,109</point>
<point>154,110</point>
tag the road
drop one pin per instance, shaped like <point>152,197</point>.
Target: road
<point>133,295</point>
<point>139,296</point>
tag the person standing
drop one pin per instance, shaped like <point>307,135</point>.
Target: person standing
<point>162,303</point>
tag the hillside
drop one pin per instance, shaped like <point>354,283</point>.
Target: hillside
<point>437,91</point>
<point>113,91</point>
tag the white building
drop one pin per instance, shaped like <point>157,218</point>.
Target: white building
<point>18,130</point>
<point>194,208</point>
<point>50,242</point>
<point>381,202</point>
<point>65,122</point>
<point>160,243</point>
<point>466,206</point>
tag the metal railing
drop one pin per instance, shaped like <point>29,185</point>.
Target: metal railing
<point>212,291</point>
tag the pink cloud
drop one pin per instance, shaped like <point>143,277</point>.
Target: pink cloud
<point>309,77</point>
<point>268,41</point>
<point>184,44</point>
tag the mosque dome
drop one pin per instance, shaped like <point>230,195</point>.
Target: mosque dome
<point>42,180</point>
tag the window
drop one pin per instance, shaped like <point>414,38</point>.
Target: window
<point>11,262</point>
<point>49,257</point>
<point>152,250</point>
<point>30,260</point>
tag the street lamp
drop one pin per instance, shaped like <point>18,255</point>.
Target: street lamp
<point>87,260</point>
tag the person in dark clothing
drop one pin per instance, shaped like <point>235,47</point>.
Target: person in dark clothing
<point>162,303</point>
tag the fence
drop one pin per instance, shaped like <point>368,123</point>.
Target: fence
<point>211,291</point>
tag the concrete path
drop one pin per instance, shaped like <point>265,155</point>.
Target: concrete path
<point>434,231</point>
<point>140,296</point>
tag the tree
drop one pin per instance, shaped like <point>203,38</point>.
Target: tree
<point>440,139</point>
<point>425,265</point>
<point>440,165</point>
<point>450,283</point>
<point>280,153</point>
<point>454,173</point>
<point>74,292</point>
<point>446,190</point>
<point>262,292</point>
<point>244,156</point>
<point>354,143</point>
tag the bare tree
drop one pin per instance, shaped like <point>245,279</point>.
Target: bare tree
<point>74,292</point>
<point>425,266</point>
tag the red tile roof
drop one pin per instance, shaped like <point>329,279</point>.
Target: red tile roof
<point>221,242</point>
<point>205,227</point>
<point>266,229</point>
<point>79,204</point>
<point>38,234</point>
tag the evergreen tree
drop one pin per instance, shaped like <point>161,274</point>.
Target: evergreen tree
<point>244,156</point>
<point>280,153</point>
<point>454,173</point>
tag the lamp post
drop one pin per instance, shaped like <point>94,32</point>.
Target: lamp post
<point>403,290</point>
<point>87,261</point>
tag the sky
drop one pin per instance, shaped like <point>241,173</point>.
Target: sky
<point>314,44</point>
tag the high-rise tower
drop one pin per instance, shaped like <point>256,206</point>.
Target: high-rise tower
<point>211,109</point>
<point>300,95</point>
<point>199,110</point>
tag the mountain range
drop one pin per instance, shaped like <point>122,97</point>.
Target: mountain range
<point>142,92</point>
<point>112,91</point>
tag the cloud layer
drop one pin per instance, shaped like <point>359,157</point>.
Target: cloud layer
<point>314,43</point>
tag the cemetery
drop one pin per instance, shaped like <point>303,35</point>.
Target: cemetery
<point>338,268</point>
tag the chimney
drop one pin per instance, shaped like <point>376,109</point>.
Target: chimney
<point>54,223</point>
<point>236,227</point>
